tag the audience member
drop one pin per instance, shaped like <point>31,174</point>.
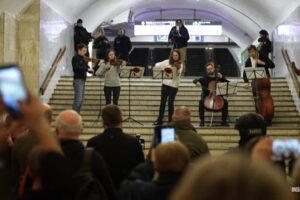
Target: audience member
<point>232,177</point>
<point>69,127</point>
<point>120,151</point>
<point>170,161</point>
<point>187,134</point>
<point>81,35</point>
<point>122,45</point>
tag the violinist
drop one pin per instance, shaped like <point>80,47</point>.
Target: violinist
<point>169,86</point>
<point>111,68</point>
<point>212,75</point>
<point>80,69</point>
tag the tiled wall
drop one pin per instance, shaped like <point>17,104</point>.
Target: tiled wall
<point>55,33</point>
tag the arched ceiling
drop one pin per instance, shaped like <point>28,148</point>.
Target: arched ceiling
<point>242,19</point>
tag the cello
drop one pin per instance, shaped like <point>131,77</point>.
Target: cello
<point>213,102</point>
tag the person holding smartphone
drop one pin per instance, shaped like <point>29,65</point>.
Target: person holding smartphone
<point>80,69</point>
<point>179,36</point>
<point>111,70</point>
<point>169,86</point>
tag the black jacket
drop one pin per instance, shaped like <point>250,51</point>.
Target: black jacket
<point>81,35</point>
<point>266,46</point>
<point>159,189</point>
<point>80,67</point>
<point>120,151</point>
<point>74,152</point>
<point>264,58</point>
<point>101,44</point>
<point>204,81</point>
<point>179,41</point>
<point>122,46</point>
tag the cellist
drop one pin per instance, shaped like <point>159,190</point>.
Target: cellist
<point>211,75</point>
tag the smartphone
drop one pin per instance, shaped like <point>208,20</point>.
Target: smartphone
<point>12,89</point>
<point>285,149</point>
<point>164,134</point>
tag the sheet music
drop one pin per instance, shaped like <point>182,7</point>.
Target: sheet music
<point>125,72</point>
<point>157,73</point>
<point>255,73</point>
<point>226,88</point>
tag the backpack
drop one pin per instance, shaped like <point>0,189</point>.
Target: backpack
<point>87,187</point>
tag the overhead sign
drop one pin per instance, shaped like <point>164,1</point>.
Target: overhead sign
<point>196,28</point>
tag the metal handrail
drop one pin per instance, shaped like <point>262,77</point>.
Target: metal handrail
<point>52,70</point>
<point>291,71</point>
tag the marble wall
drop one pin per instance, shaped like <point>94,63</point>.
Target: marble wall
<point>287,36</point>
<point>55,33</point>
<point>28,37</point>
<point>8,38</point>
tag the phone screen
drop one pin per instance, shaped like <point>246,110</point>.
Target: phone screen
<point>167,134</point>
<point>285,148</point>
<point>12,89</point>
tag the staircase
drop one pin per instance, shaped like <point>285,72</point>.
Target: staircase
<point>145,99</point>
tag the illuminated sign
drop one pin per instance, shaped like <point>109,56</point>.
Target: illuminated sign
<point>150,28</point>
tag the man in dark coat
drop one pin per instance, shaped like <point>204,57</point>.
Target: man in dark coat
<point>120,151</point>
<point>179,37</point>
<point>81,35</point>
<point>265,45</point>
<point>68,130</point>
<point>122,45</point>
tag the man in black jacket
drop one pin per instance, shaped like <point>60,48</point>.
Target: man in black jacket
<point>81,35</point>
<point>265,45</point>
<point>257,60</point>
<point>179,37</point>
<point>120,151</point>
<point>122,45</point>
<point>204,82</point>
<point>80,68</point>
<point>68,126</point>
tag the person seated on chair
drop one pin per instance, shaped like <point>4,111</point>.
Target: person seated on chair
<point>204,82</point>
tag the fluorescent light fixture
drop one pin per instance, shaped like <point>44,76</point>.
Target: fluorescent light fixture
<point>288,30</point>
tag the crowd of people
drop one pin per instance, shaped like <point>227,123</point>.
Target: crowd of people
<point>39,163</point>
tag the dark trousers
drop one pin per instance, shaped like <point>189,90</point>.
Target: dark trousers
<point>167,93</point>
<point>115,91</point>
<point>202,110</point>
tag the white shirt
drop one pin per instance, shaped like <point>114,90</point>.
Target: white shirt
<point>253,62</point>
<point>176,73</point>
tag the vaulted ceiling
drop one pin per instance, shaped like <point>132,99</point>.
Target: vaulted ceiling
<point>242,19</point>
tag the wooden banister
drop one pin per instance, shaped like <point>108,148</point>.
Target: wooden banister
<point>52,69</point>
<point>291,71</point>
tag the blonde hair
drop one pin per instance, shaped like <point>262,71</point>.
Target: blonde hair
<point>232,178</point>
<point>171,157</point>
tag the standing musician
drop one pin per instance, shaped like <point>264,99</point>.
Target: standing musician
<point>111,70</point>
<point>261,87</point>
<point>212,75</point>
<point>257,60</point>
<point>169,87</point>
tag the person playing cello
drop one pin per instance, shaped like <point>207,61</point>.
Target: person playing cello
<point>211,76</point>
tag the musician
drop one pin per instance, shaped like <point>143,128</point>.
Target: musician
<point>80,69</point>
<point>203,82</point>
<point>179,37</point>
<point>122,45</point>
<point>169,86</point>
<point>265,45</point>
<point>257,60</point>
<point>111,68</point>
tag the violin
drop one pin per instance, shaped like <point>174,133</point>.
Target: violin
<point>117,62</point>
<point>93,60</point>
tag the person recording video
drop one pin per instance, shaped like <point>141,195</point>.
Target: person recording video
<point>179,37</point>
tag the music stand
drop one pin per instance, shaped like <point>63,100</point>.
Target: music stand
<point>165,73</point>
<point>255,73</point>
<point>100,73</point>
<point>131,72</point>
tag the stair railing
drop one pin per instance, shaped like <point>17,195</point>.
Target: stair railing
<point>52,70</point>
